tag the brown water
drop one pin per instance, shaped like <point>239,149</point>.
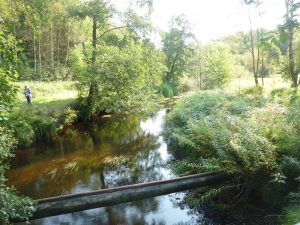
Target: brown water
<point>112,152</point>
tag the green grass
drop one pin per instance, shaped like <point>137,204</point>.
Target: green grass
<point>270,83</point>
<point>47,96</point>
<point>247,134</point>
<point>49,113</point>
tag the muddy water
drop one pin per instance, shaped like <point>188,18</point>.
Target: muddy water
<point>114,151</point>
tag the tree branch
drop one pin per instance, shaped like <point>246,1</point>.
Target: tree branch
<point>114,28</point>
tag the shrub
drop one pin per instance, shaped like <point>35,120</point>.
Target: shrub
<point>214,131</point>
<point>256,91</point>
<point>23,133</point>
<point>11,205</point>
<point>168,89</point>
<point>33,126</point>
<point>68,117</point>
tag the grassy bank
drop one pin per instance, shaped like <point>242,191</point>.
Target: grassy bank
<point>253,136</point>
<point>48,96</point>
<point>49,113</point>
<point>270,83</point>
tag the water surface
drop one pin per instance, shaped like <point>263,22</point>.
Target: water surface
<point>114,151</point>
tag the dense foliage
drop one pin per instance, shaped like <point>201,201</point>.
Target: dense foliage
<point>11,205</point>
<point>254,138</point>
<point>212,66</point>
<point>116,66</point>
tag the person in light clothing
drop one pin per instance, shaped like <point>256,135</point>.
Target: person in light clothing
<point>28,94</point>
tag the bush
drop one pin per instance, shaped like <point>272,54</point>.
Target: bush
<point>68,117</point>
<point>23,132</point>
<point>168,89</point>
<point>256,91</point>
<point>33,126</point>
<point>214,131</point>
<point>11,205</point>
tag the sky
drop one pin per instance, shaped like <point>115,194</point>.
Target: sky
<point>212,19</point>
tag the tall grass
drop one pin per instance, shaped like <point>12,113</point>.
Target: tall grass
<point>254,137</point>
<point>47,91</point>
<point>50,111</point>
<point>237,85</point>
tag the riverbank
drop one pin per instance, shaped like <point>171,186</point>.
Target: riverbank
<point>249,134</point>
<point>52,110</point>
<point>116,151</point>
<point>55,107</point>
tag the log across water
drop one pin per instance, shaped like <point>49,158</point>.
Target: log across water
<point>108,197</point>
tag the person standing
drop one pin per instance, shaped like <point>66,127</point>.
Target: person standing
<point>28,94</point>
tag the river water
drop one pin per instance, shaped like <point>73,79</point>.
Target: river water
<point>115,151</point>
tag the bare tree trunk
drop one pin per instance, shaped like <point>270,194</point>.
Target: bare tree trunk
<point>40,55</point>
<point>58,49</point>
<point>263,67</point>
<point>253,52</point>
<point>68,45</point>
<point>253,57</point>
<point>258,56</point>
<point>52,46</point>
<point>34,53</point>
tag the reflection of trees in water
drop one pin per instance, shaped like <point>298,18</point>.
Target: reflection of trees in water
<point>120,135</point>
<point>115,153</point>
<point>143,167</point>
<point>129,155</point>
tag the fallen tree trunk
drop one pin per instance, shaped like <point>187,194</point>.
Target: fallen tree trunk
<point>108,197</point>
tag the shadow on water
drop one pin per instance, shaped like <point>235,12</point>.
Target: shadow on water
<point>115,151</point>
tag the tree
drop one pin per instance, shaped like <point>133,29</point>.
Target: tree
<point>11,205</point>
<point>289,27</point>
<point>252,42</point>
<point>127,74</point>
<point>178,47</point>
<point>119,66</point>
<point>211,66</point>
<point>99,12</point>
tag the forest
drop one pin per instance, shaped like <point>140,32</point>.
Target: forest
<point>237,97</point>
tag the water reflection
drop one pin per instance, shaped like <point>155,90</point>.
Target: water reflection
<point>113,152</point>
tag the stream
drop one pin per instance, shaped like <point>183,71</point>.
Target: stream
<point>116,150</point>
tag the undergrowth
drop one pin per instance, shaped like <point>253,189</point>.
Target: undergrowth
<point>253,137</point>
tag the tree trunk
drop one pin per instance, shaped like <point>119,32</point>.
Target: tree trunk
<point>52,46</point>
<point>253,58</point>
<point>253,52</point>
<point>58,49</point>
<point>291,58</point>
<point>258,57</point>
<point>108,197</point>
<point>68,45</point>
<point>40,55</point>
<point>93,91</point>
<point>263,67</point>
<point>94,41</point>
<point>290,34</point>
<point>34,53</point>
